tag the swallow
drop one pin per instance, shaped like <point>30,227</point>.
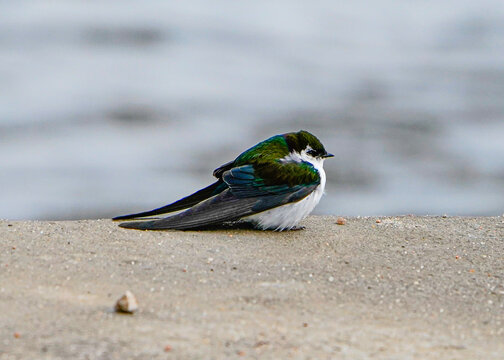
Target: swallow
<point>273,186</point>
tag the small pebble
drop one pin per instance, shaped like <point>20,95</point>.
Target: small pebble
<point>261,343</point>
<point>127,303</point>
<point>17,335</point>
<point>167,348</point>
<point>341,221</point>
<point>378,221</point>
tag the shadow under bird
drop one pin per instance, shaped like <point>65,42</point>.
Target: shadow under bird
<point>273,185</point>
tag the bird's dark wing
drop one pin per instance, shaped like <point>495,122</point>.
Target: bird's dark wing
<point>247,194</point>
<point>221,208</point>
<point>181,204</point>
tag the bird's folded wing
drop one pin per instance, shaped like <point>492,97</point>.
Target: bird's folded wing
<point>248,194</point>
<point>221,208</point>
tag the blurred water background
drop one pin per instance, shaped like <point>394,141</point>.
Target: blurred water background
<point>111,107</point>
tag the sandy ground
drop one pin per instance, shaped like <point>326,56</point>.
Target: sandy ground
<point>405,288</point>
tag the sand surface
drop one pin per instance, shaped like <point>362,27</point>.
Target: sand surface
<point>406,288</point>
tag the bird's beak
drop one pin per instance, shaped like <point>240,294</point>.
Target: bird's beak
<point>328,155</point>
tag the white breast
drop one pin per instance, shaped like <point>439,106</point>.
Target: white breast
<point>287,216</point>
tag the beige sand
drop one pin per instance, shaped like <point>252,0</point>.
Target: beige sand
<point>405,288</point>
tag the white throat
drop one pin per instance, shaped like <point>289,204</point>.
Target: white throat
<point>318,163</point>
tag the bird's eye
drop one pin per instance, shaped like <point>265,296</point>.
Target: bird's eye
<point>312,152</point>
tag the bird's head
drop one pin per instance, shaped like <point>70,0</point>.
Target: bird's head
<point>306,144</point>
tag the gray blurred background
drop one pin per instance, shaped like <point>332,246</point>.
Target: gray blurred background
<point>111,107</point>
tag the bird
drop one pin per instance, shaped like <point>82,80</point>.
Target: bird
<point>271,186</point>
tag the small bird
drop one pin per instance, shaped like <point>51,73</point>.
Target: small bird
<point>273,186</point>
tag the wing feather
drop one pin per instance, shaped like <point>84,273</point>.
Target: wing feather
<point>247,194</point>
<point>222,208</point>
